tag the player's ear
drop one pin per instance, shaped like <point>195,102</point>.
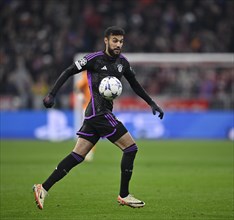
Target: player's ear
<point>106,40</point>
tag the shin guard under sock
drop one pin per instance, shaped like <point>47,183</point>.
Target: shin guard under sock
<point>62,169</point>
<point>129,154</point>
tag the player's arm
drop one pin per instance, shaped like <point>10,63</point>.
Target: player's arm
<point>71,70</point>
<point>139,90</point>
<point>76,67</point>
<point>49,99</point>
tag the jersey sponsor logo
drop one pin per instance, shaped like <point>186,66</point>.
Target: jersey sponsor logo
<point>104,68</point>
<point>120,67</point>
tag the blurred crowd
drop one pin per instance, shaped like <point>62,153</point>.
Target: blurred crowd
<point>39,39</point>
<point>212,84</point>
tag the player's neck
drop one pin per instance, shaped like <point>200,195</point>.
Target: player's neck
<point>107,53</point>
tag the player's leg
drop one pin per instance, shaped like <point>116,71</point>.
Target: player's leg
<point>129,148</point>
<point>87,139</point>
<point>89,157</point>
<point>77,156</point>
<point>127,161</point>
<point>108,126</point>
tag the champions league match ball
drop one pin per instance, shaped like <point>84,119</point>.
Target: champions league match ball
<point>110,87</point>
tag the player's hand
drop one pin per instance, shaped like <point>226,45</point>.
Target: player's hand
<point>48,101</point>
<point>156,108</point>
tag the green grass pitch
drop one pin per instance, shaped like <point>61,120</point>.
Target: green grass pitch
<point>177,180</point>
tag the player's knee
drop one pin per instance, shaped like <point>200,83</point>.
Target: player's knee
<point>131,149</point>
<point>128,158</point>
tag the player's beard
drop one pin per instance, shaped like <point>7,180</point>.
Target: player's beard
<point>112,52</point>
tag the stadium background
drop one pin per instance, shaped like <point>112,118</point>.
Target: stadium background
<point>39,39</point>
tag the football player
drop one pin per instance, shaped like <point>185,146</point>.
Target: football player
<point>99,121</point>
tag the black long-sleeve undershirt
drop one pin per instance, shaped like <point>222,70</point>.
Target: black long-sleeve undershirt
<point>70,71</point>
<point>138,89</point>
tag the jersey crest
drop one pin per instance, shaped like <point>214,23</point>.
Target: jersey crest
<point>120,67</point>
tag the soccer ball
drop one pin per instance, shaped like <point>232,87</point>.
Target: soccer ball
<point>110,87</point>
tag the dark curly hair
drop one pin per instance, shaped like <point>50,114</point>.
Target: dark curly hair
<point>114,30</point>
